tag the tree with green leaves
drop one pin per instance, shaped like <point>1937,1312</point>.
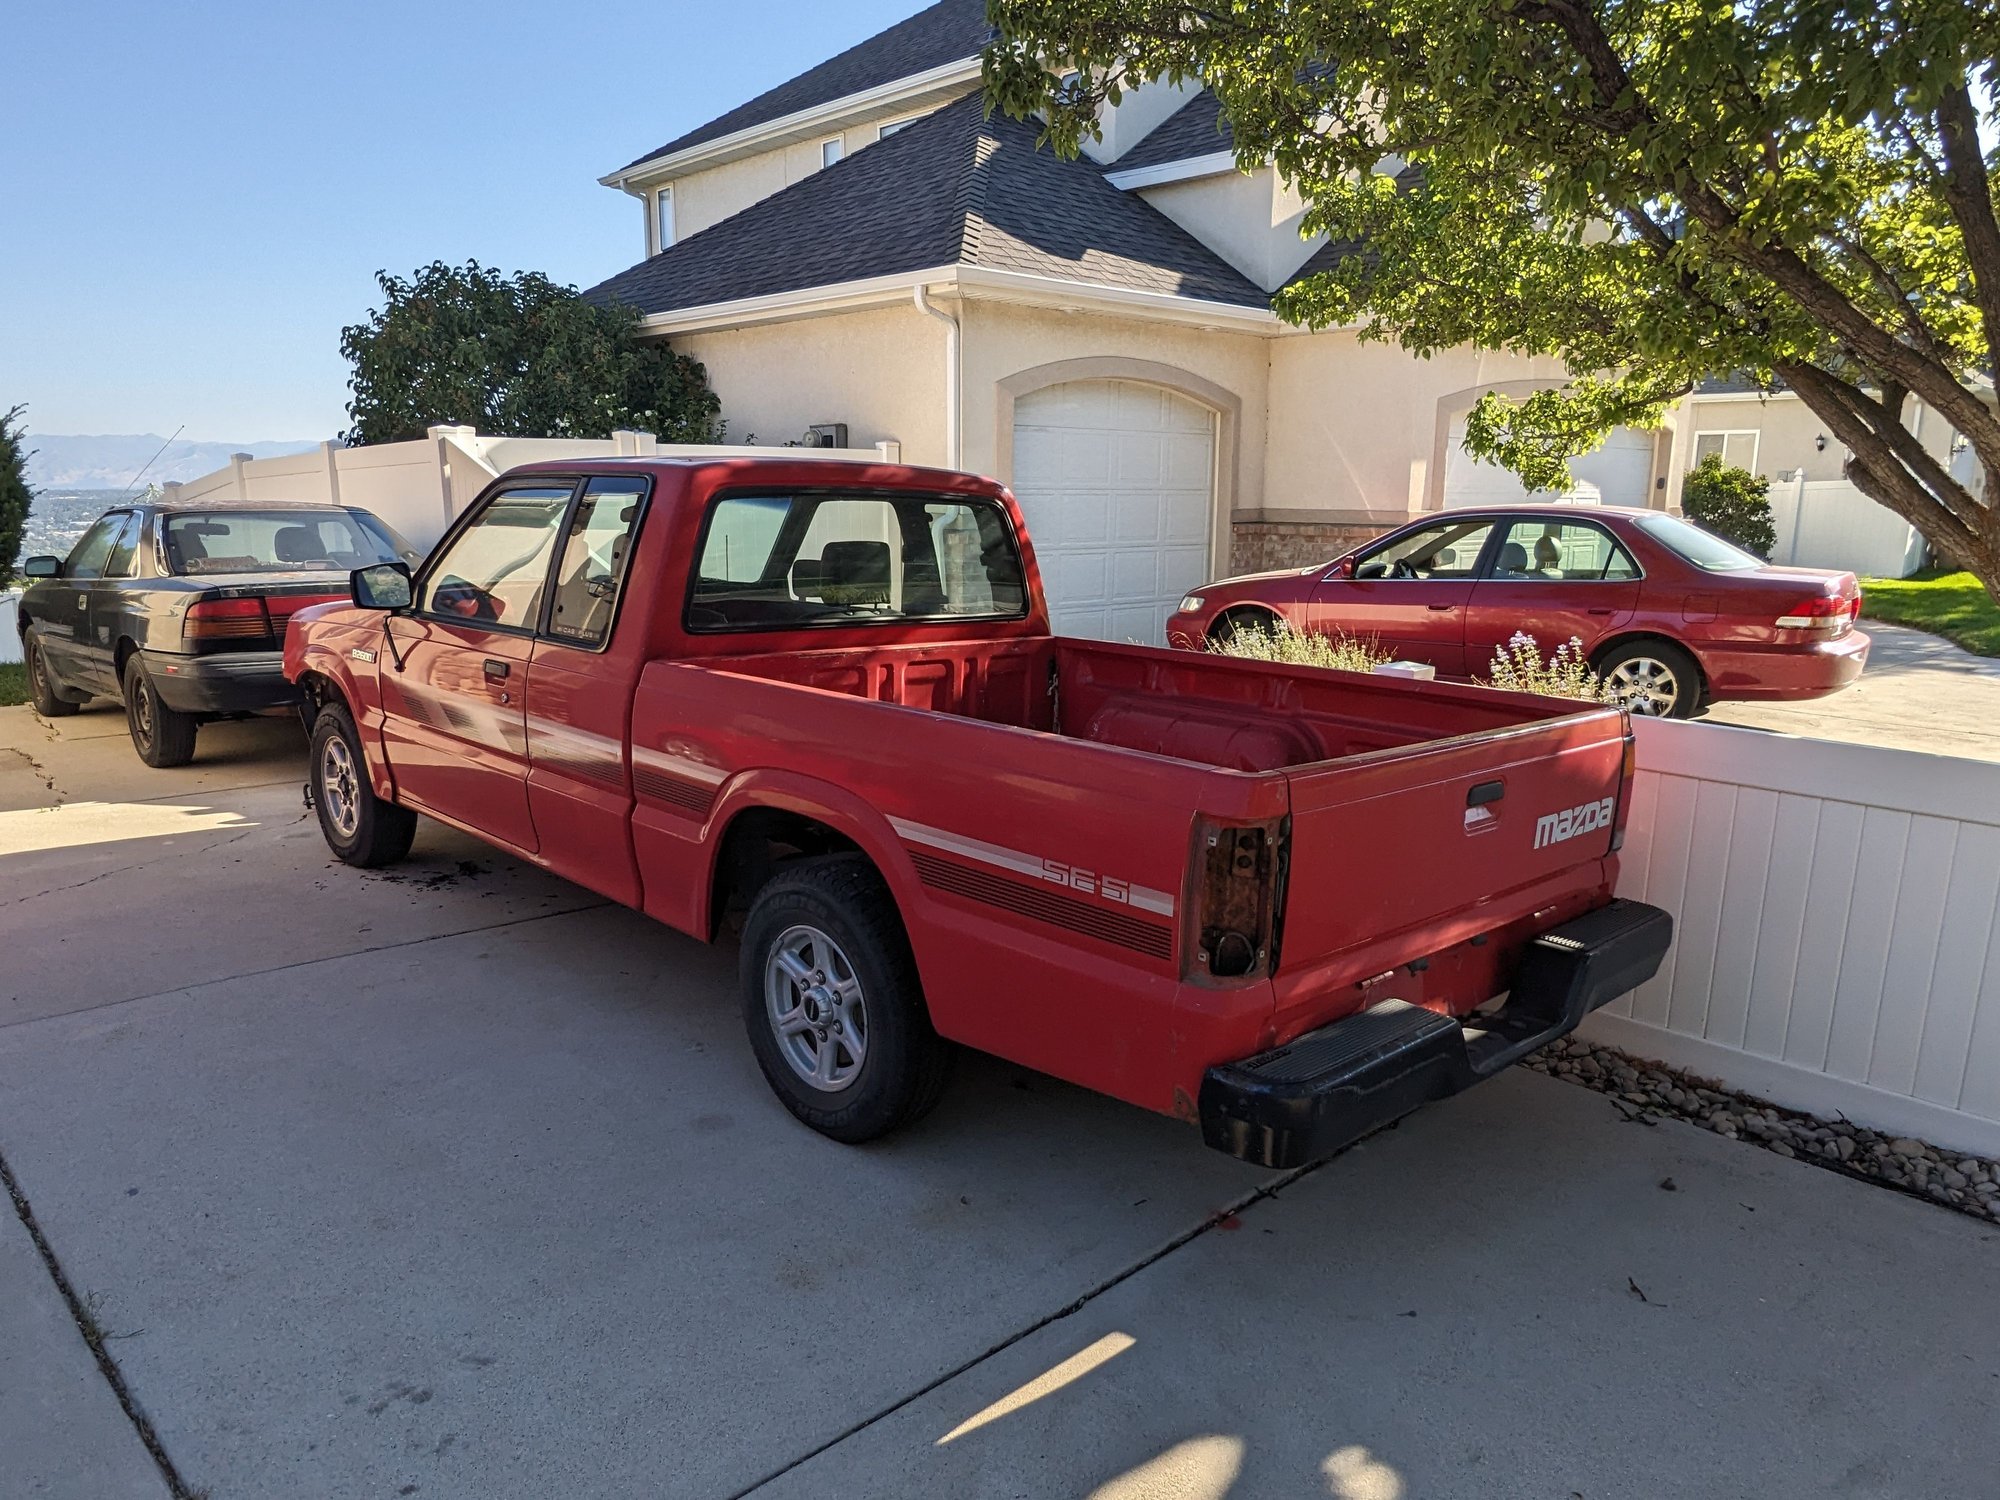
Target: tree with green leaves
<point>15,496</point>
<point>519,356</point>
<point>1732,503</point>
<point>1651,191</point>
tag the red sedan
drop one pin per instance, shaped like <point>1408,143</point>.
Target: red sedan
<point>1674,616</point>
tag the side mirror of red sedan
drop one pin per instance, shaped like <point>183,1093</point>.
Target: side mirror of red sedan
<point>1342,569</point>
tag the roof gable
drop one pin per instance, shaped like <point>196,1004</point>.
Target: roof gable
<point>947,32</point>
<point>955,188</point>
<point>1197,128</point>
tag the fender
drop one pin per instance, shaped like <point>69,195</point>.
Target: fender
<point>323,655</point>
<point>841,810</point>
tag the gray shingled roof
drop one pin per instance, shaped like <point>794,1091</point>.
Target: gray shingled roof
<point>1739,384</point>
<point>1197,128</point>
<point>947,32</point>
<point>955,188</point>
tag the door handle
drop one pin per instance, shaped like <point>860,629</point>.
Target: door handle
<point>1601,611</point>
<point>496,670</point>
<point>1440,607</point>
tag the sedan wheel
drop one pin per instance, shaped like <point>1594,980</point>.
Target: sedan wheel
<point>1652,679</point>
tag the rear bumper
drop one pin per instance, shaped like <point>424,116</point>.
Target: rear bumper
<point>1328,1088</point>
<point>1780,673</point>
<point>232,682</point>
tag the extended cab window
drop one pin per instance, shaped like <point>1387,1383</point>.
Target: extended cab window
<point>1449,549</point>
<point>494,572</point>
<point>592,570</point>
<point>1562,552</point>
<point>772,561</point>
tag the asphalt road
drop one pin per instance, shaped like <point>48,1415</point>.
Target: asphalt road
<point>452,1181</point>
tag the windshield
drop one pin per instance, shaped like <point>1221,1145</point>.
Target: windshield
<point>1702,548</point>
<point>279,541</point>
<point>770,561</point>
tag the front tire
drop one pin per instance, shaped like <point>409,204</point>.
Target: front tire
<point>364,830</point>
<point>164,737</point>
<point>1232,622</point>
<point>41,690</point>
<point>1652,679</point>
<point>833,1005</point>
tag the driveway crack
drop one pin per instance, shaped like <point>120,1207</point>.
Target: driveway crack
<point>94,1339</point>
<point>1221,1218</point>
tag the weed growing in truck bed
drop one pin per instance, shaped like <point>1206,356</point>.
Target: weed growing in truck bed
<point>1519,668</point>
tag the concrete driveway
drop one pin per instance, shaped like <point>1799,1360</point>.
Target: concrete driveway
<point>1918,692</point>
<point>455,1182</point>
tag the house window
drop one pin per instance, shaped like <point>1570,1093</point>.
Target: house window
<point>663,218</point>
<point>895,125</point>
<point>1737,449</point>
<point>829,152</point>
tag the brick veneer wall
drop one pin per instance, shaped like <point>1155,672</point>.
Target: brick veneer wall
<point>1259,546</point>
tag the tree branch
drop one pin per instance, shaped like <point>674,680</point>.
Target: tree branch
<point>1969,195</point>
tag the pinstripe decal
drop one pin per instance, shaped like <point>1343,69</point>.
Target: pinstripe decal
<point>1068,877</point>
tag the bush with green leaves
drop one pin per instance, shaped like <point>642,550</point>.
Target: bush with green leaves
<point>1733,503</point>
<point>1342,653</point>
<point>518,356</point>
<point>1519,667</point>
<point>15,496</point>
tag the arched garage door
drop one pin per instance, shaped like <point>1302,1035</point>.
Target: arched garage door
<point>1117,481</point>
<point>1619,473</point>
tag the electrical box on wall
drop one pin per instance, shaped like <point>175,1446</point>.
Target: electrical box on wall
<point>828,434</point>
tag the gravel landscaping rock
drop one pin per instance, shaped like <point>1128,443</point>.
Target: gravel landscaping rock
<point>1970,1184</point>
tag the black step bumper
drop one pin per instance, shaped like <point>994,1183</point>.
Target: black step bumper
<point>1328,1088</point>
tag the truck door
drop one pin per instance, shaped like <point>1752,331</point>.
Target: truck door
<point>1409,593</point>
<point>580,685</point>
<point>454,691</point>
<point>1556,580</point>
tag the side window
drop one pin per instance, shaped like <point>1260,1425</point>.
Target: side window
<point>594,554</point>
<point>88,557</point>
<point>1562,552</point>
<point>496,570</point>
<point>1449,549</point>
<point>120,565</point>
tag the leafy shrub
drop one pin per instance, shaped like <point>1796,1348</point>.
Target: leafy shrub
<point>14,494</point>
<point>1343,653</point>
<point>1518,667</point>
<point>1733,503</point>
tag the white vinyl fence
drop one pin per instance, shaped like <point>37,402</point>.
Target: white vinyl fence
<point>1837,926</point>
<point>1828,523</point>
<point>419,486</point>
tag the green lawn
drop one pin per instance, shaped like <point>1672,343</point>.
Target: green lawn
<point>13,684</point>
<point>1952,605</point>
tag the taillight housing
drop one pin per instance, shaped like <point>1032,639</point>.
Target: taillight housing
<point>226,620</point>
<point>1830,613</point>
<point>1236,890</point>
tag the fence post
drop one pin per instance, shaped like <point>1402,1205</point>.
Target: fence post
<point>441,440</point>
<point>239,474</point>
<point>889,450</point>
<point>329,454</point>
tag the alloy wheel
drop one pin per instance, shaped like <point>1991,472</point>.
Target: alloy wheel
<point>814,1003</point>
<point>339,787</point>
<point>1646,686</point>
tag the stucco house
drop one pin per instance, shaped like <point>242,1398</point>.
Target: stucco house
<point>863,247</point>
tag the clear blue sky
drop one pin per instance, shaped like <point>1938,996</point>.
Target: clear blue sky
<point>197,197</point>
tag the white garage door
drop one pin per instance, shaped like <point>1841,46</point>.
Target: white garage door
<point>1619,473</point>
<point>1117,481</point>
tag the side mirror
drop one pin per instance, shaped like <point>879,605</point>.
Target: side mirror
<point>42,567</point>
<point>1342,569</point>
<point>383,586</point>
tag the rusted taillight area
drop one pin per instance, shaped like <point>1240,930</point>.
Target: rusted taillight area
<point>1237,884</point>
<point>226,620</point>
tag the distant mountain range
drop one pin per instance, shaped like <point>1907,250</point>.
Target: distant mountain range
<point>67,461</point>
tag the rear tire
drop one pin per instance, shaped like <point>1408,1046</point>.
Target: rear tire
<point>833,1005</point>
<point>164,737</point>
<point>41,691</point>
<point>1652,679</point>
<point>362,829</point>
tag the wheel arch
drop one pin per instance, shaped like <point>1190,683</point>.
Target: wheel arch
<point>1624,638</point>
<point>1243,607</point>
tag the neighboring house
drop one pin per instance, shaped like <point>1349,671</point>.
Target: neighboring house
<point>864,247</point>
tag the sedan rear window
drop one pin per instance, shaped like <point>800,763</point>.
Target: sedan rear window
<point>212,542</point>
<point>1704,549</point>
<point>774,561</point>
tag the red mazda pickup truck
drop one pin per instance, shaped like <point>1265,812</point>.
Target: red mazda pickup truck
<point>818,704</point>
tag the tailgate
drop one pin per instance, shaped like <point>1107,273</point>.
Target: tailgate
<point>1400,840</point>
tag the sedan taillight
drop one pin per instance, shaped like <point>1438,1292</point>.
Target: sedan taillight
<point>226,619</point>
<point>1827,612</point>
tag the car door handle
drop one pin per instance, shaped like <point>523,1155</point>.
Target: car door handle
<point>1601,611</point>
<point>495,670</point>
<point>1440,607</point>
